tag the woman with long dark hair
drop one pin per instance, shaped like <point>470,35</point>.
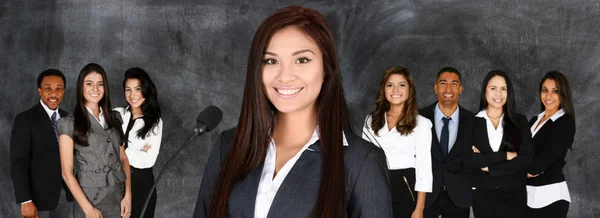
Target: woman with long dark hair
<point>405,137</point>
<point>502,151</point>
<point>553,133</point>
<point>292,154</point>
<point>102,187</point>
<point>142,126</point>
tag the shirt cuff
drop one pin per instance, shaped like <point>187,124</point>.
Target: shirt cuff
<point>25,202</point>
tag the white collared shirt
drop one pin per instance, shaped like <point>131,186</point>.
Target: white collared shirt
<point>101,120</point>
<point>138,158</point>
<point>50,111</point>
<point>406,151</point>
<point>268,186</point>
<point>542,196</point>
<point>494,134</point>
<point>452,125</point>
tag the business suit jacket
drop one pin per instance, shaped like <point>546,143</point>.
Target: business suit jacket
<point>367,188</point>
<point>503,174</point>
<point>35,159</point>
<point>551,143</point>
<point>453,171</point>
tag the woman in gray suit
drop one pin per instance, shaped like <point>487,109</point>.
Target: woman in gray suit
<point>291,154</point>
<point>96,138</point>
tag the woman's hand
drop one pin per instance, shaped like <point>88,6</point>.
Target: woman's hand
<point>93,213</point>
<point>126,207</point>
<point>511,155</point>
<point>475,150</point>
<point>533,176</point>
<point>485,169</point>
<point>417,213</point>
<point>146,147</point>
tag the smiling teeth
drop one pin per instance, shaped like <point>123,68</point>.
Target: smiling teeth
<point>288,91</point>
<point>94,95</point>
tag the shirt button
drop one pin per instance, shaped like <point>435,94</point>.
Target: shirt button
<point>110,155</point>
<point>95,198</point>
<point>96,171</point>
<point>108,140</point>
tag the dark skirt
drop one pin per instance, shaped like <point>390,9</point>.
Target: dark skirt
<point>404,195</point>
<point>500,203</point>
<point>141,182</point>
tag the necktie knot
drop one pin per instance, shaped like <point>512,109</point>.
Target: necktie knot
<point>446,120</point>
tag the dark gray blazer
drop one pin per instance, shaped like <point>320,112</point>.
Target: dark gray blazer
<point>367,187</point>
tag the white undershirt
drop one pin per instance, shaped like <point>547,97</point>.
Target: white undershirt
<point>406,151</point>
<point>541,196</point>
<point>101,121</point>
<point>268,186</point>
<point>494,134</point>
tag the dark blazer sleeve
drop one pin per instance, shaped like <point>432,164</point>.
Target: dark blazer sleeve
<point>211,172</point>
<point>525,154</point>
<point>20,154</point>
<point>371,195</point>
<point>559,140</point>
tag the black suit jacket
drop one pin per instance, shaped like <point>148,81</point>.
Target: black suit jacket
<point>367,189</point>
<point>503,174</point>
<point>551,143</point>
<point>35,159</point>
<point>453,171</point>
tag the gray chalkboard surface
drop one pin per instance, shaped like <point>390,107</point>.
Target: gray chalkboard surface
<point>196,52</point>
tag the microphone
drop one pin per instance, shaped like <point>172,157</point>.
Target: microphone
<point>206,121</point>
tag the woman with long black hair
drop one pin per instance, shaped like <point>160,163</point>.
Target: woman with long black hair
<point>292,154</point>
<point>502,151</point>
<point>553,133</point>
<point>142,126</point>
<point>92,135</point>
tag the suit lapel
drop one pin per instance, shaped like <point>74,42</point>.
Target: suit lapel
<point>481,128</point>
<point>243,197</point>
<point>300,187</point>
<point>44,124</point>
<point>436,150</point>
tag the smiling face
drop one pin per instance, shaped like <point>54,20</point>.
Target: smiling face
<point>496,92</point>
<point>93,88</point>
<point>51,91</point>
<point>396,90</point>
<point>133,93</point>
<point>448,88</point>
<point>549,95</point>
<point>292,72</point>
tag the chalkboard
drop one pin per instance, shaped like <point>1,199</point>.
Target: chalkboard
<point>196,53</point>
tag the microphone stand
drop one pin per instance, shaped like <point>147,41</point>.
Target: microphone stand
<point>196,133</point>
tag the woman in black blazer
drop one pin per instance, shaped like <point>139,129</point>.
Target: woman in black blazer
<point>553,132</point>
<point>502,151</point>
<point>291,154</point>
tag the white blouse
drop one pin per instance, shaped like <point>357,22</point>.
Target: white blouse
<point>406,151</point>
<point>138,158</point>
<point>494,134</point>
<point>268,186</point>
<point>541,196</point>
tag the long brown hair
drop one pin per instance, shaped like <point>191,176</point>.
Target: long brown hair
<point>408,121</point>
<point>564,91</point>
<point>81,126</point>
<point>252,134</point>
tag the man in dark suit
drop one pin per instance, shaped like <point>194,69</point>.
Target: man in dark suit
<point>34,153</point>
<point>450,150</point>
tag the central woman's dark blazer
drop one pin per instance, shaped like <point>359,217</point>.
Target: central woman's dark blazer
<point>503,174</point>
<point>367,187</point>
<point>551,143</point>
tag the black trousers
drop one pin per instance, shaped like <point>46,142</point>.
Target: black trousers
<point>500,203</point>
<point>403,192</point>
<point>445,207</point>
<point>554,210</point>
<point>141,182</point>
